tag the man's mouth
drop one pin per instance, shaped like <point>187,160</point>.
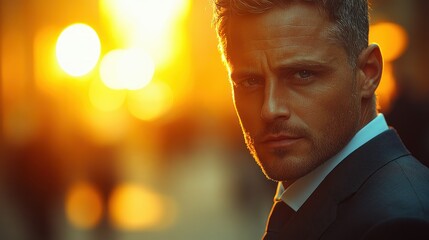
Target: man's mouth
<point>279,140</point>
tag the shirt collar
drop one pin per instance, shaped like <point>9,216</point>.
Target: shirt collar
<point>299,191</point>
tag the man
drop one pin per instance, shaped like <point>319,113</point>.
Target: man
<point>303,79</point>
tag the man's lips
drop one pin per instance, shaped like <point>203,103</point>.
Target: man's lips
<point>276,141</point>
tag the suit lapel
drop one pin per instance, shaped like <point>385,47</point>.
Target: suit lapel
<point>319,211</point>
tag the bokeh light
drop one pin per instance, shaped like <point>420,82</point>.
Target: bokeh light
<point>104,98</point>
<point>150,102</point>
<point>84,206</point>
<point>78,49</point>
<point>393,41</point>
<point>135,94</point>
<point>129,69</point>
<point>391,37</point>
<point>139,11</point>
<point>106,127</point>
<point>136,207</point>
<point>146,23</point>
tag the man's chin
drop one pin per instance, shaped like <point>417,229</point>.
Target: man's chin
<point>282,171</point>
<point>277,176</point>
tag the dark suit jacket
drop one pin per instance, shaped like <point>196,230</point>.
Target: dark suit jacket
<point>378,192</point>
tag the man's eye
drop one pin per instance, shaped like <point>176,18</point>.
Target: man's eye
<point>304,74</point>
<point>249,82</point>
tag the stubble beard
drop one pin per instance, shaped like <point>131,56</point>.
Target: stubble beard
<point>281,167</point>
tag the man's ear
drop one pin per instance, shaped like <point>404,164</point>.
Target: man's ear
<point>370,66</point>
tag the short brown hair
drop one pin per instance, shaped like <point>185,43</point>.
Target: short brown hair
<point>350,18</point>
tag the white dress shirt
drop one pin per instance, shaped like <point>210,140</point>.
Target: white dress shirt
<point>299,191</point>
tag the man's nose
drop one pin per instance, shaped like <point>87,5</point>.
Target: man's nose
<point>275,102</point>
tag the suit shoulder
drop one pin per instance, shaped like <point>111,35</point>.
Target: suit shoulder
<point>409,178</point>
<point>415,171</point>
<point>400,187</point>
<point>395,194</point>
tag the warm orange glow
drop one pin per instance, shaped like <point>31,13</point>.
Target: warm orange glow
<point>17,123</point>
<point>391,37</point>
<point>46,70</point>
<point>145,23</point>
<point>104,98</point>
<point>127,69</point>
<point>78,49</point>
<point>144,16</point>
<point>386,91</point>
<point>106,127</point>
<point>150,102</point>
<point>84,206</point>
<point>135,207</point>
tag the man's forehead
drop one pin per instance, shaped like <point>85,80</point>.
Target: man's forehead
<point>277,29</point>
<point>295,13</point>
<point>313,57</point>
<point>293,22</point>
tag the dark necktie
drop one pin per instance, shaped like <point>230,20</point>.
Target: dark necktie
<point>280,214</point>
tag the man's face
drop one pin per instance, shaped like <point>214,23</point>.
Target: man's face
<point>294,90</point>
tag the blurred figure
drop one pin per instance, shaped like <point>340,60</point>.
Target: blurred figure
<point>303,79</point>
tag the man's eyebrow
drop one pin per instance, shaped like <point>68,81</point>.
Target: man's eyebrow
<point>308,64</point>
<point>243,74</point>
<point>303,64</point>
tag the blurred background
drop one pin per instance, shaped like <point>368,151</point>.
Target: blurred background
<point>116,119</point>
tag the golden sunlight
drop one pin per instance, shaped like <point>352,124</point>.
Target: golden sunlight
<point>150,102</point>
<point>47,72</point>
<point>84,206</point>
<point>78,49</point>
<point>104,98</point>
<point>135,207</point>
<point>145,24</point>
<point>144,16</point>
<point>391,37</point>
<point>130,69</point>
<point>106,127</point>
